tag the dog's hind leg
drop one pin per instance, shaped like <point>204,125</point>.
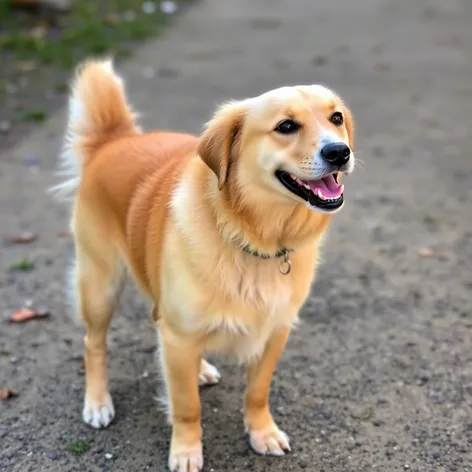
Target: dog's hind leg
<point>99,279</point>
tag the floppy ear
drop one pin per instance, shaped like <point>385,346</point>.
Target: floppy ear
<point>219,143</point>
<point>349,123</point>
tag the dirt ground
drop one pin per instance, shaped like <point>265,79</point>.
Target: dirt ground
<point>379,375</point>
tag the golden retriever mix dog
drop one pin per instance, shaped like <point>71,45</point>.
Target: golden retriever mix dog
<point>222,232</point>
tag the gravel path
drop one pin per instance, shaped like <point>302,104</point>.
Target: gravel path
<point>379,377</point>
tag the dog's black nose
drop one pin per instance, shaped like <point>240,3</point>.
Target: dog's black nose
<point>336,153</point>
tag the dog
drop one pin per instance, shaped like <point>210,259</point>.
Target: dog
<point>222,233</point>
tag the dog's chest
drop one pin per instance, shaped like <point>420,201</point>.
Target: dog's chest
<point>238,309</point>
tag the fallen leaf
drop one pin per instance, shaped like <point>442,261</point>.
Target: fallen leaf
<point>6,393</point>
<point>365,415</point>
<point>26,314</point>
<point>382,65</point>
<point>26,66</point>
<point>38,31</point>
<point>112,18</point>
<point>64,233</point>
<point>82,367</point>
<point>425,252</point>
<point>23,238</point>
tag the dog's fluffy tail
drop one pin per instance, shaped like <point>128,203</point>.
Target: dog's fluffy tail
<point>98,113</point>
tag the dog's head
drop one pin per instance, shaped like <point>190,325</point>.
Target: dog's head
<point>288,145</point>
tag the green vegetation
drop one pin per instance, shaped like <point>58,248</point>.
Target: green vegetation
<point>90,28</point>
<point>25,265</point>
<point>80,447</point>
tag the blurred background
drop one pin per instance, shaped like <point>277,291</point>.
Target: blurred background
<point>379,376</point>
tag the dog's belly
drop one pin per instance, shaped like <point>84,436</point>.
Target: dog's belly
<point>244,344</point>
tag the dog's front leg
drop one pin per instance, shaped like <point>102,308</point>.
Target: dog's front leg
<point>181,359</point>
<point>265,436</point>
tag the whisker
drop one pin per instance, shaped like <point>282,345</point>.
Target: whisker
<point>360,165</point>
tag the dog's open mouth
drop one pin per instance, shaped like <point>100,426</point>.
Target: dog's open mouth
<point>325,193</point>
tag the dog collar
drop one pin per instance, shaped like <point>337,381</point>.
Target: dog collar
<point>285,266</point>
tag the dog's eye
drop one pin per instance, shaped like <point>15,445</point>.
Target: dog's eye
<point>337,118</point>
<point>288,127</point>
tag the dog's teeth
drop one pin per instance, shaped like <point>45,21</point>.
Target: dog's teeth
<point>320,195</point>
<point>342,189</point>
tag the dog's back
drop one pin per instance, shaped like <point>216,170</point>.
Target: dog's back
<point>117,176</point>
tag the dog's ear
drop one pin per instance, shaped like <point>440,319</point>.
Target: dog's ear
<point>349,123</point>
<point>219,143</point>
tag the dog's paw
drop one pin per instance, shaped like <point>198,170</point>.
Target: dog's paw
<point>98,414</point>
<point>269,441</point>
<point>208,375</point>
<point>186,459</point>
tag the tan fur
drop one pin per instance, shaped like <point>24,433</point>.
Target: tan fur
<point>175,210</point>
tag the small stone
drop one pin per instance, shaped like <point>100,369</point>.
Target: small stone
<point>60,6</point>
<point>168,7</point>
<point>23,82</point>
<point>108,456</point>
<point>97,450</point>
<point>436,455</point>
<point>167,72</point>
<point>129,15</point>
<point>11,89</point>
<point>5,127</point>
<point>145,374</point>
<point>424,376</point>
<point>149,8</point>
<point>149,73</point>
<point>320,60</point>
<point>31,160</point>
<point>52,455</point>
<point>406,466</point>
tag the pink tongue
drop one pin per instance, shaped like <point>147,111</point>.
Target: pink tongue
<point>328,186</point>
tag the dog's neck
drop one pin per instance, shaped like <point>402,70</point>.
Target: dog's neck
<point>266,231</point>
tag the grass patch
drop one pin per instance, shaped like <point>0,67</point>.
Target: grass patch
<point>80,447</point>
<point>430,220</point>
<point>90,28</point>
<point>34,115</point>
<point>24,265</point>
<point>37,39</point>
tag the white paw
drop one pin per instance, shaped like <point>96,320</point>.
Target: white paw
<point>98,414</point>
<point>209,374</point>
<point>270,441</point>
<point>186,460</point>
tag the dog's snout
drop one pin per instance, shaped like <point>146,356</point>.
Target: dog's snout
<point>336,154</point>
